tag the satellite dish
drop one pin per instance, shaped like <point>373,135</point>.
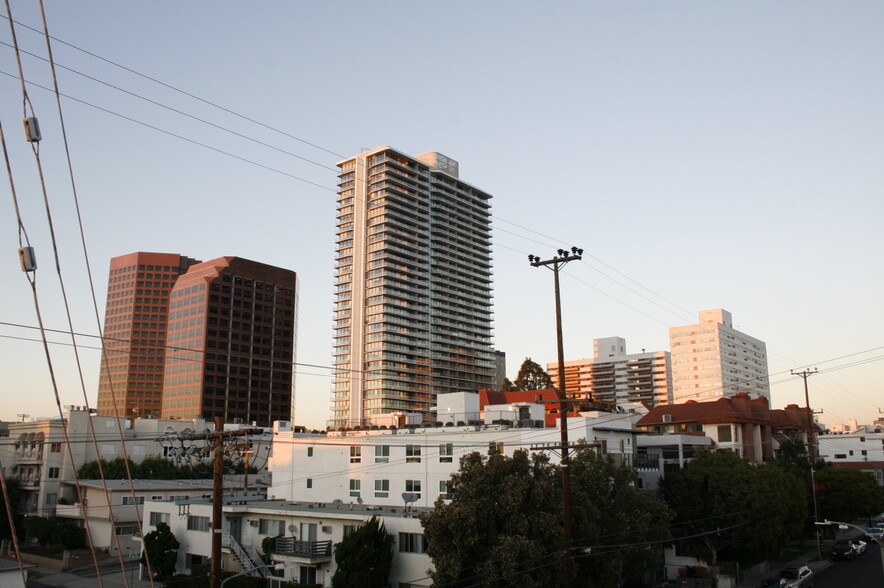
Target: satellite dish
<point>409,497</point>
<point>292,529</point>
<point>337,502</point>
<point>359,500</point>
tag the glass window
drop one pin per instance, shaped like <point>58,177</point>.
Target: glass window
<point>382,488</point>
<point>271,527</point>
<point>443,489</point>
<point>724,434</point>
<point>412,454</point>
<point>158,517</point>
<point>495,447</point>
<point>309,452</point>
<point>355,454</point>
<point>412,543</point>
<point>382,454</point>
<point>195,523</point>
<point>446,452</point>
<point>355,488</point>
<point>413,486</point>
<point>309,483</point>
<point>127,500</point>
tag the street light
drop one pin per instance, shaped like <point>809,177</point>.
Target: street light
<point>275,566</point>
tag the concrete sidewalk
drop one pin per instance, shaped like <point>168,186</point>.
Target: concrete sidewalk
<point>111,577</point>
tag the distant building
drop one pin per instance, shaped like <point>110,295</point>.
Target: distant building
<point>744,425</point>
<point>231,342</point>
<point>413,295</point>
<point>615,377</point>
<point>131,380</point>
<point>860,451</point>
<point>712,359</point>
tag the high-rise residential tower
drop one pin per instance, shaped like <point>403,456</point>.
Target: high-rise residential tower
<point>186,339</point>
<point>413,297</point>
<point>712,359</point>
<point>131,380</point>
<point>616,377</point>
<point>230,342</point>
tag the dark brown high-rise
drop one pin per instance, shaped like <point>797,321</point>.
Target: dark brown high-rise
<point>230,342</point>
<point>131,381</point>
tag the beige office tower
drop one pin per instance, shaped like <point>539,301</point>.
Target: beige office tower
<point>413,291</point>
<point>712,359</point>
<point>613,376</point>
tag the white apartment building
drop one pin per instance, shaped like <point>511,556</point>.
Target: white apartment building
<point>616,377</point>
<point>306,535</point>
<point>36,452</point>
<point>862,451</point>
<point>414,463</point>
<point>712,359</point>
<point>413,300</point>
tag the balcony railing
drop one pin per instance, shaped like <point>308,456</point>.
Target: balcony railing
<point>312,550</point>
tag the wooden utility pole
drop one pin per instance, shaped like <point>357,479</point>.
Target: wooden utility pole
<point>217,500</point>
<point>555,264</point>
<point>811,452</point>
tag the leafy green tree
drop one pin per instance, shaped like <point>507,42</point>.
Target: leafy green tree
<point>13,490</point>
<point>364,558</point>
<point>532,377</point>
<point>155,467</point>
<point>846,494</point>
<point>114,469</point>
<point>161,548</point>
<point>734,510</point>
<point>68,535</point>
<point>41,529</point>
<point>503,524</point>
<point>507,386</point>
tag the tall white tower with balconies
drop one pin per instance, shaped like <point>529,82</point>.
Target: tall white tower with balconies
<point>413,291</point>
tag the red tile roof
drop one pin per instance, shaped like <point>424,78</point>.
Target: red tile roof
<point>739,408</point>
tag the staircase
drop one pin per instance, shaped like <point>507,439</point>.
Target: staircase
<point>250,562</point>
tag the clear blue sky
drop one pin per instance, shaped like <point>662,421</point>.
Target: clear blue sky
<point>718,154</point>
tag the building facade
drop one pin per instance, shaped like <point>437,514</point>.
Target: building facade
<point>413,289</point>
<point>230,343</point>
<point>613,376</point>
<point>712,359</point>
<point>131,380</point>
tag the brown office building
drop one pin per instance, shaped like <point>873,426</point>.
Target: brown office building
<point>230,343</point>
<point>185,339</point>
<point>131,381</point>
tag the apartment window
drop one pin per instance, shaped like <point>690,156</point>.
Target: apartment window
<point>51,498</point>
<point>128,530</point>
<point>355,454</point>
<point>309,483</point>
<point>53,472</point>
<point>271,527</point>
<point>195,523</point>
<point>191,560</point>
<point>412,543</point>
<point>840,456</point>
<point>446,452</point>
<point>382,454</point>
<point>127,500</point>
<point>355,488</point>
<point>443,489</point>
<point>180,497</point>
<point>349,530</point>
<point>413,486</point>
<point>158,517</point>
<point>309,452</point>
<point>495,447</point>
<point>724,434</point>
<point>55,448</point>
<point>156,497</point>
<point>382,488</point>
<point>412,454</point>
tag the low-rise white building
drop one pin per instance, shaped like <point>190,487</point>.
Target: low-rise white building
<point>389,466</point>
<point>862,451</point>
<point>305,532</point>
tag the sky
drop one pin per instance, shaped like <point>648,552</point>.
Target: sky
<point>703,154</point>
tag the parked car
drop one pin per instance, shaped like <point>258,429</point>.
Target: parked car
<point>859,546</point>
<point>876,533</point>
<point>773,583</point>
<point>868,538</point>
<point>843,549</point>
<point>797,577</point>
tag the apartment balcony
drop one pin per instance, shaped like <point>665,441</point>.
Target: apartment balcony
<point>302,552</point>
<point>28,481</point>
<point>121,513</point>
<point>25,456</point>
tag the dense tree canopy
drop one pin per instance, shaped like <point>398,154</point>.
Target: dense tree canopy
<point>731,509</point>
<point>364,558</point>
<point>13,490</point>
<point>154,468</point>
<point>502,525</point>
<point>846,494</point>
<point>162,550</point>
<point>532,377</point>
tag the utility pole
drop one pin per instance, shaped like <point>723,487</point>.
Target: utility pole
<point>811,452</point>
<point>555,264</point>
<point>217,501</point>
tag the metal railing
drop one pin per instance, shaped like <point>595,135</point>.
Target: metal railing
<point>311,549</point>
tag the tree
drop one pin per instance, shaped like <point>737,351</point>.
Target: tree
<point>161,547</point>
<point>532,377</point>
<point>13,490</point>
<point>364,558</point>
<point>41,529</point>
<point>507,386</point>
<point>846,494</point>
<point>734,510</point>
<point>503,526</point>
<point>155,467</point>
<point>114,469</point>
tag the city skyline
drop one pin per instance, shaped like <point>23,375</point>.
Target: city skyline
<point>719,156</point>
